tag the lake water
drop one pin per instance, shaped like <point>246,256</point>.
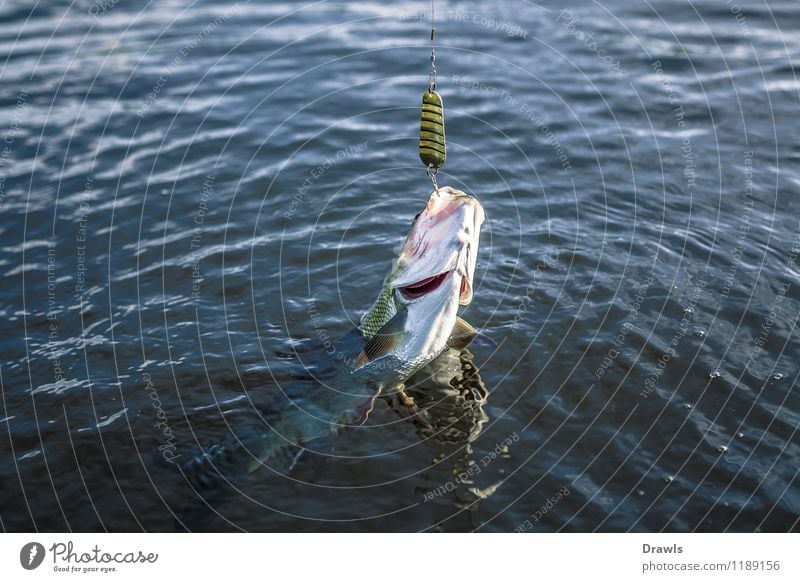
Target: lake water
<point>192,191</point>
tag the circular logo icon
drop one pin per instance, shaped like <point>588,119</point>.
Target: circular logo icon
<point>31,555</point>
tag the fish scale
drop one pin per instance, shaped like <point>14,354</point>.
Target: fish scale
<point>382,311</point>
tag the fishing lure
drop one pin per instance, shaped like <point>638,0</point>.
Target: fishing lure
<point>432,146</point>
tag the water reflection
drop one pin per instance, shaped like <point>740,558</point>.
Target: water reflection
<point>449,395</point>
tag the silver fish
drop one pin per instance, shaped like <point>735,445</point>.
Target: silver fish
<point>414,318</point>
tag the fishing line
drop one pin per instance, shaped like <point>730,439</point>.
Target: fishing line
<point>432,74</point>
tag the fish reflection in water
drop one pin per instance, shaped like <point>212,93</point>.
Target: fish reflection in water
<point>449,396</point>
<point>444,401</point>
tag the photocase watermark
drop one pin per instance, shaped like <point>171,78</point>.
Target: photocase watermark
<point>622,334</point>
<point>81,237</point>
<point>31,555</point>
<point>568,20</point>
<point>52,313</point>
<point>321,332</point>
<point>509,29</point>
<point>790,273</point>
<point>168,448</point>
<point>550,261</point>
<point>688,314</point>
<point>317,172</point>
<point>543,510</point>
<point>197,235</point>
<point>744,226</point>
<point>741,19</point>
<point>689,168</point>
<point>742,243</point>
<point>67,559</point>
<point>347,358</point>
<point>99,8</point>
<point>690,175</point>
<point>9,136</point>
<point>525,110</point>
<point>184,52</point>
<point>475,468</point>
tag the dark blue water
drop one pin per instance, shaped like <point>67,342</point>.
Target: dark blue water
<point>184,185</point>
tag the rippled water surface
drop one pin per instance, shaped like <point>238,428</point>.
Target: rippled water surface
<point>186,185</point>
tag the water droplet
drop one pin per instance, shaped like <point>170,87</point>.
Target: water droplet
<point>739,435</point>
<point>722,449</point>
<point>688,310</point>
<point>669,479</point>
<point>687,406</point>
<point>715,374</point>
<point>640,493</point>
<point>700,332</point>
<point>777,377</point>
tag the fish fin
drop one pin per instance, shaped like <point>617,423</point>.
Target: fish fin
<point>463,333</point>
<point>385,340</point>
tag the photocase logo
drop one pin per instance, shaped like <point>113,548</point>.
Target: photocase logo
<point>31,555</point>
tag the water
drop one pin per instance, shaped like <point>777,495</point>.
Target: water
<point>184,184</point>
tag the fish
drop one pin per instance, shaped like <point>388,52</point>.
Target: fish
<point>413,320</point>
<point>415,316</point>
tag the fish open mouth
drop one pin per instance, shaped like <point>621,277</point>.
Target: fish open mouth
<point>420,288</point>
